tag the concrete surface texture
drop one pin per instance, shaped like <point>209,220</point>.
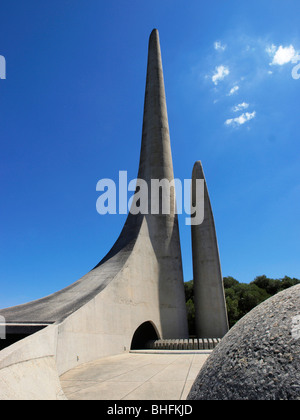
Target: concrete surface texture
<point>136,291</point>
<point>135,376</point>
<point>28,369</point>
<point>209,296</point>
<point>259,358</point>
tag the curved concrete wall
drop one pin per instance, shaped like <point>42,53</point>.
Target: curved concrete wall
<point>106,324</point>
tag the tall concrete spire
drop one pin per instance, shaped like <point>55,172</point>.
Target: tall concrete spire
<point>162,229</point>
<point>210,306</point>
<point>156,163</point>
<point>156,158</point>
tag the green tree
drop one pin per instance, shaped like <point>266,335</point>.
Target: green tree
<point>232,303</point>
<point>189,290</point>
<point>240,297</point>
<point>229,282</point>
<point>249,296</point>
<point>190,307</point>
<point>191,316</point>
<point>273,286</point>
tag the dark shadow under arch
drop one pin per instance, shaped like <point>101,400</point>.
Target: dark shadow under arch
<point>145,333</point>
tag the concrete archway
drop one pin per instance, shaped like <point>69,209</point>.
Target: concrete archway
<point>143,334</point>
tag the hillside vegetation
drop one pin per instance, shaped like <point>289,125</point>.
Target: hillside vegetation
<point>240,297</point>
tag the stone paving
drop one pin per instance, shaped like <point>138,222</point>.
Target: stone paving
<point>135,376</point>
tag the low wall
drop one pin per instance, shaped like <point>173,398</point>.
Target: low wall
<point>28,368</point>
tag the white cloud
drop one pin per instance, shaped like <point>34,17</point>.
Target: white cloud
<point>242,119</point>
<point>240,107</point>
<point>220,73</point>
<point>284,55</point>
<point>219,46</point>
<point>233,90</point>
<point>281,55</point>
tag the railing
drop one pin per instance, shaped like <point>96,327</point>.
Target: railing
<point>184,344</point>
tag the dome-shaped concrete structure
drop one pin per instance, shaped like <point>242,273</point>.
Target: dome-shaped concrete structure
<point>259,358</point>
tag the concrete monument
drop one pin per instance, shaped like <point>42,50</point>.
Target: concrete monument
<point>135,294</point>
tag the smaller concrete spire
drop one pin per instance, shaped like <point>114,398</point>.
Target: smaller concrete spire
<point>209,296</point>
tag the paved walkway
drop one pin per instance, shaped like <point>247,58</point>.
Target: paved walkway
<point>135,376</point>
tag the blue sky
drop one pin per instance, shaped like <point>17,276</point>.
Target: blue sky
<point>71,114</point>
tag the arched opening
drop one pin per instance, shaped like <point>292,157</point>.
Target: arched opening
<point>145,332</point>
